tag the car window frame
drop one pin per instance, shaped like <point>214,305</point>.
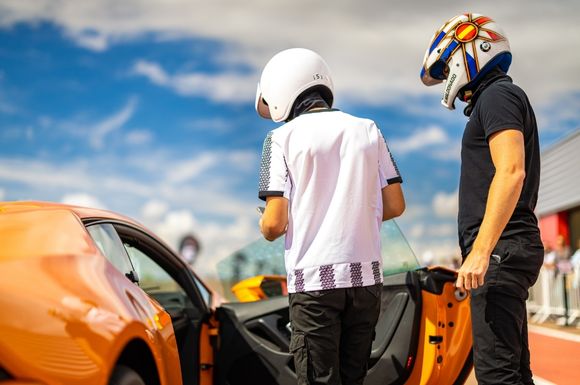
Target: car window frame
<point>165,257</point>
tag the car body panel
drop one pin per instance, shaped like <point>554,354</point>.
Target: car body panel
<point>71,312</point>
<point>69,315</point>
<point>444,353</point>
<point>423,335</point>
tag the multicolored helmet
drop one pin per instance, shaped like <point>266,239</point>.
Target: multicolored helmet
<point>461,51</point>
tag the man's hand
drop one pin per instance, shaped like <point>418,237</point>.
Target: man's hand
<point>472,273</point>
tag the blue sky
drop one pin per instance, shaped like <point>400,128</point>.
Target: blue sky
<point>146,108</point>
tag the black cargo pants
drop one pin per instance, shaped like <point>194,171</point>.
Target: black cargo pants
<point>332,334</point>
<point>499,316</point>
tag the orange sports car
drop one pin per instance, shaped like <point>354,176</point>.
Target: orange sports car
<point>91,297</point>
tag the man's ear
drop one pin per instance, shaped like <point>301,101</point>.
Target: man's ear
<point>261,105</point>
<point>263,109</point>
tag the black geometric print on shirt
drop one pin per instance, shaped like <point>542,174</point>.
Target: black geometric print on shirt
<point>377,271</point>
<point>299,280</point>
<point>356,278</point>
<point>390,155</point>
<point>326,273</point>
<point>265,164</point>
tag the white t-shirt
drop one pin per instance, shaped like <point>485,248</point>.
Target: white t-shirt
<point>331,166</point>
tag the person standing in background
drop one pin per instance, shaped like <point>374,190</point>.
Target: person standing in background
<point>189,248</point>
<point>562,255</point>
<point>575,259</point>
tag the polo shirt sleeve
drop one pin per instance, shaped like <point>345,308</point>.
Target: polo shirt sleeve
<point>273,169</point>
<point>500,108</point>
<point>388,170</point>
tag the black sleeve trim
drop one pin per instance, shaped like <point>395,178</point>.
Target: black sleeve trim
<point>397,179</point>
<point>263,194</point>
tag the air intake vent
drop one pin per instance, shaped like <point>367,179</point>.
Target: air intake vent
<point>4,375</point>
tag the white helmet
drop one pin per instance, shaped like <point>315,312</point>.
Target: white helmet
<point>464,48</point>
<point>287,75</point>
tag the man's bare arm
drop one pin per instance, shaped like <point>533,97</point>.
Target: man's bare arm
<point>275,218</point>
<point>393,201</point>
<point>508,156</point>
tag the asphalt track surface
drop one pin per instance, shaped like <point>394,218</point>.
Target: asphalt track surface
<point>555,356</point>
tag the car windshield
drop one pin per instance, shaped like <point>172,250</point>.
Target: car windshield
<point>267,258</point>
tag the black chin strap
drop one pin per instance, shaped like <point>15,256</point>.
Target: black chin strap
<point>307,102</point>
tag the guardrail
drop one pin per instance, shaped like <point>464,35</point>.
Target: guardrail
<point>555,296</point>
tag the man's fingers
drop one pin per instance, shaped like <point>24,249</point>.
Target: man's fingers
<point>459,282</point>
<point>467,281</point>
<point>475,281</point>
<point>481,279</point>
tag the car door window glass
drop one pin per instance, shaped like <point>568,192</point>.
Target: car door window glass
<point>110,245</point>
<point>156,282</point>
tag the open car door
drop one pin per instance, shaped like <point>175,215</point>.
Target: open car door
<point>423,335</point>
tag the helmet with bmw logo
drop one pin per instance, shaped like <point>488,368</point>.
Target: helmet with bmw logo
<point>462,51</point>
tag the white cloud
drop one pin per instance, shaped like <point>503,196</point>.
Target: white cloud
<point>82,199</point>
<point>221,87</point>
<point>92,40</point>
<point>416,231</point>
<point>174,225</point>
<point>446,205</point>
<point>559,115</point>
<point>432,141</point>
<point>192,168</point>
<point>212,206</point>
<point>450,152</point>
<point>419,140</point>
<point>217,240</point>
<point>154,209</point>
<point>151,71</point>
<point>442,230</point>
<point>2,194</point>
<point>138,137</point>
<point>100,130</point>
<point>375,51</point>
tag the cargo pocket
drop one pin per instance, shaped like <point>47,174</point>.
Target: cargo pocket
<point>498,257</point>
<point>300,353</point>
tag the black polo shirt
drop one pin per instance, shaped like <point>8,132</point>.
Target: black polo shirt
<point>498,104</point>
